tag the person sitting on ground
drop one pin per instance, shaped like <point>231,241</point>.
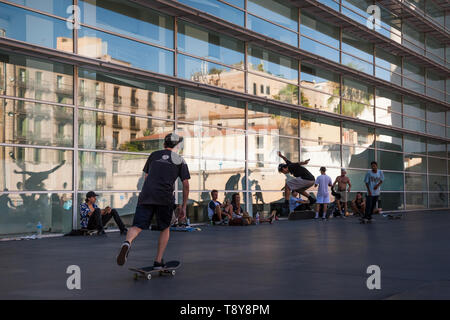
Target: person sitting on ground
<point>218,212</point>
<point>296,203</point>
<point>239,216</point>
<point>92,217</point>
<point>358,205</point>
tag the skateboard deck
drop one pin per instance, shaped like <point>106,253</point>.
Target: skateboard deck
<point>148,272</point>
<point>185,229</point>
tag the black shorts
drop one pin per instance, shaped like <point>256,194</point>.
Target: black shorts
<point>144,215</point>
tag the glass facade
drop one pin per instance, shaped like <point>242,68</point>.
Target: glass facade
<point>66,129</point>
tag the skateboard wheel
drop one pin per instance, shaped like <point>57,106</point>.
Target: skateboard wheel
<point>173,272</point>
<point>149,276</point>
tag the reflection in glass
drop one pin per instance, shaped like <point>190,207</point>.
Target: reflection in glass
<point>100,45</point>
<point>319,79</point>
<point>357,179</point>
<point>34,123</point>
<point>218,9</point>
<point>437,166</point>
<point>357,110</point>
<point>318,100</point>
<point>264,147</point>
<point>216,143</point>
<point>436,114</point>
<point>390,160</point>
<point>271,30</point>
<point>106,131</point>
<point>210,73</point>
<point>35,79</point>
<point>413,108</point>
<point>207,174</point>
<point>23,212</point>
<point>33,169</point>
<point>111,92</point>
<point>413,124</point>
<point>320,129</point>
<point>266,62</point>
<point>415,163</point>
<point>438,200</point>
<point>318,30</point>
<point>353,157</point>
<point>357,64</point>
<point>388,100</point>
<point>321,154</point>
<point>416,201</point>
<point>276,11</point>
<point>272,89</point>
<point>265,176</point>
<point>437,183</point>
<point>202,108</point>
<point>389,140</point>
<point>392,181</point>
<point>386,75</point>
<point>19,24</point>
<point>266,119</point>
<point>56,7</point>
<point>416,182</point>
<point>415,144</point>
<point>388,61</point>
<point>128,19</point>
<point>357,91</point>
<point>109,171</point>
<point>210,45</point>
<point>436,148</point>
<point>387,117</point>
<point>353,134</point>
<point>391,201</point>
<point>436,129</point>
<point>320,49</point>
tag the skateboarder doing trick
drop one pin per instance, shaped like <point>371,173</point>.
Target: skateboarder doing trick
<point>162,169</point>
<point>303,178</point>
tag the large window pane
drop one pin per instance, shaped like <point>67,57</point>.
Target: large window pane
<point>34,123</point>
<point>320,129</point>
<point>106,131</point>
<point>413,124</point>
<point>264,148</point>
<point>437,166</point>
<point>415,163</point>
<point>413,108</point>
<point>357,47</point>
<point>436,129</point>
<point>318,30</point>
<point>416,201</point>
<point>388,100</point>
<point>271,30</point>
<point>319,79</point>
<point>109,171</point>
<point>27,26</point>
<point>357,180</point>
<point>25,211</point>
<point>436,148</point>
<point>416,182</point>
<point>413,39</point>
<point>413,72</point>
<point>202,108</point>
<point>389,140</point>
<point>111,92</point>
<point>437,183</point>
<point>357,110</point>
<point>388,61</point>
<point>357,91</point>
<point>392,181</point>
<point>415,144</point>
<point>319,49</point>
<point>218,9</point>
<point>128,19</point>
<point>390,160</point>
<point>267,62</point>
<point>276,11</point>
<point>386,116</point>
<point>391,201</point>
<point>318,100</point>
<point>215,143</point>
<point>207,174</point>
<point>384,74</point>
<point>56,7</point>
<point>357,64</point>
<point>266,119</point>
<point>36,79</point>
<point>321,154</point>
<point>33,169</point>
<point>436,114</point>
<point>100,45</point>
<point>272,89</point>
<point>353,134</point>
<point>438,200</point>
<point>210,45</point>
<point>210,73</point>
<point>353,157</point>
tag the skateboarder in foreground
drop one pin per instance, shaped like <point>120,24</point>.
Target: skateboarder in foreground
<point>303,178</point>
<point>162,169</point>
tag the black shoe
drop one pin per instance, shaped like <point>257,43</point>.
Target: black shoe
<point>101,233</point>
<point>124,231</point>
<point>159,265</point>
<point>311,200</point>
<point>123,254</point>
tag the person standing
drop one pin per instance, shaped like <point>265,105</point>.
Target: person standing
<point>323,196</point>
<point>373,180</point>
<point>162,169</point>
<point>342,181</point>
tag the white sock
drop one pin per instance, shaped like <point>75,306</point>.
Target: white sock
<point>317,214</point>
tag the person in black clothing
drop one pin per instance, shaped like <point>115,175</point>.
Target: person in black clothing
<point>303,178</point>
<point>162,169</point>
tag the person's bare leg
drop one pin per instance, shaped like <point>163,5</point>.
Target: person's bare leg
<point>287,192</point>
<point>162,243</point>
<point>132,233</point>
<point>325,205</point>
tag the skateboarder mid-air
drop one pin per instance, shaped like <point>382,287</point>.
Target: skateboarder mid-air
<point>162,169</point>
<point>303,178</point>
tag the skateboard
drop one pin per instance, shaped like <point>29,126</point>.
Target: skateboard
<point>392,217</point>
<point>185,229</point>
<point>147,272</point>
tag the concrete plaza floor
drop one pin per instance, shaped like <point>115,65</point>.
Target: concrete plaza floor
<point>287,260</point>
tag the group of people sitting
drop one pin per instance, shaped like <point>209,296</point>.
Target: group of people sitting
<point>232,213</point>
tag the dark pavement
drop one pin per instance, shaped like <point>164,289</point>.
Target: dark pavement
<point>286,260</point>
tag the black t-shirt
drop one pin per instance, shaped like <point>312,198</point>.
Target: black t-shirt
<point>298,171</point>
<point>163,168</point>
